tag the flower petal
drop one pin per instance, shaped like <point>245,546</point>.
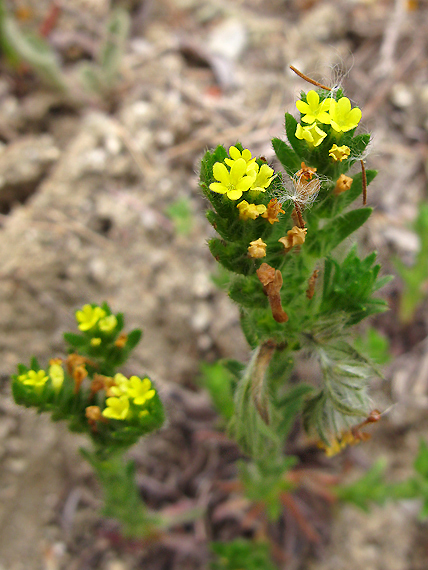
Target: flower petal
<point>219,188</point>
<point>313,99</point>
<point>303,107</point>
<point>221,173</point>
<point>234,153</point>
<point>237,170</point>
<point>234,194</point>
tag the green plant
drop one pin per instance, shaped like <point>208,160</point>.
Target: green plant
<point>283,243</point>
<point>180,213</point>
<point>239,554</point>
<point>372,487</point>
<point>415,278</point>
<point>101,77</point>
<point>30,48</point>
<point>85,390</point>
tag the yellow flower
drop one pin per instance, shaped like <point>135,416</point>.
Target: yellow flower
<point>96,341</point>
<point>250,211</point>
<point>140,390</point>
<point>88,317</point>
<point>107,324</point>
<point>236,154</point>
<point>342,117</point>
<point>339,153</point>
<point>257,249</point>
<point>264,177</point>
<point>313,110</point>
<point>121,385</point>
<point>117,408</point>
<point>232,183</point>
<point>312,134</point>
<point>33,378</point>
<point>56,374</point>
<point>295,236</point>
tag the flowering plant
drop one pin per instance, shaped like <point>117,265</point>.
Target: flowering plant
<point>85,389</point>
<point>298,293</point>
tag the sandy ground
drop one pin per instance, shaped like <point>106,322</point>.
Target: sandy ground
<point>85,185</point>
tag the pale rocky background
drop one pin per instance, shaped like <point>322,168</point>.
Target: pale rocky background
<point>84,189</point>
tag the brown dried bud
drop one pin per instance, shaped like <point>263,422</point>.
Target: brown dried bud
<point>79,374</point>
<point>295,236</point>
<point>257,249</point>
<point>271,279</point>
<point>121,340</point>
<point>343,183</point>
<point>306,172</point>
<point>311,288</point>
<point>93,413</point>
<point>273,209</point>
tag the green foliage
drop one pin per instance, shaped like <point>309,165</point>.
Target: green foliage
<point>373,487</point>
<point>375,345</point>
<point>239,554</point>
<point>348,288</point>
<point>180,213</point>
<point>30,48</point>
<point>122,499</point>
<point>220,383</point>
<point>415,278</point>
<point>101,77</point>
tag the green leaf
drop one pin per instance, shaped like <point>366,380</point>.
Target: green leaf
<point>134,338</point>
<point>287,157</point>
<point>219,381</point>
<point>320,242</point>
<point>421,461</point>
<point>300,147</point>
<point>75,340</point>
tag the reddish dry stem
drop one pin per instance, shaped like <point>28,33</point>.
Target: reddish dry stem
<point>50,21</point>
<point>299,216</point>
<point>289,503</point>
<point>364,182</point>
<point>308,79</point>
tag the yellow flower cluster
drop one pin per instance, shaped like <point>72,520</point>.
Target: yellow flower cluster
<point>123,393</point>
<point>37,379</point>
<point>243,174</point>
<point>338,114</point>
<point>90,316</point>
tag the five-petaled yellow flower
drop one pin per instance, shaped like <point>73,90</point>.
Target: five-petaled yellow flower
<point>32,378</point>
<point>140,390</point>
<point>342,117</point>
<point>312,134</point>
<point>236,154</point>
<point>88,317</point>
<point>232,183</point>
<point>121,384</point>
<point>250,211</point>
<point>314,110</point>
<point>339,153</point>
<point>264,177</point>
<point>117,408</point>
<point>107,324</point>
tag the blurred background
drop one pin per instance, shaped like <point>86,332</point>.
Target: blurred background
<point>105,110</point>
